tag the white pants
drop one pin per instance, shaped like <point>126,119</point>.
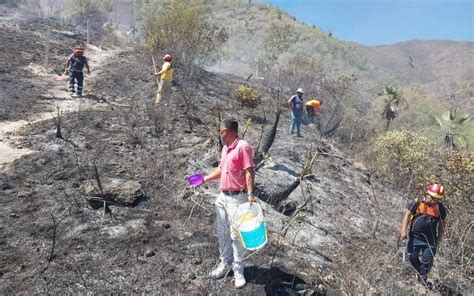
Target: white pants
<point>230,247</point>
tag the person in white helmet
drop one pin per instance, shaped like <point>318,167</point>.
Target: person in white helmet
<point>296,104</point>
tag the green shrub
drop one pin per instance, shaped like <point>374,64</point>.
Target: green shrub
<point>278,40</point>
<point>248,96</point>
<point>88,9</point>
<point>403,157</point>
<point>182,29</point>
<point>457,169</point>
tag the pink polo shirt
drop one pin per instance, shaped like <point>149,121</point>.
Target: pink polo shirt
<point>234,160</point>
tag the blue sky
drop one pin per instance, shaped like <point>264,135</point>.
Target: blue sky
<point>375,22</point>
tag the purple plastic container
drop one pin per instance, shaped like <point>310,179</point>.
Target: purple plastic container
<point>196,180</point>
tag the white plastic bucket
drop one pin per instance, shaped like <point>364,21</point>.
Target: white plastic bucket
<point>250,226</point>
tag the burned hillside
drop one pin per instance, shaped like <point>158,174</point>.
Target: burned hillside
<point>95,198</point>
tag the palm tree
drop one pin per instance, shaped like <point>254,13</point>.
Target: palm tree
<point>394,100</point>
<point>450,121</point>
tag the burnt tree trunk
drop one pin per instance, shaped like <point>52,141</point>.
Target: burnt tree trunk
<point>267,141</point>
<point>88,30</point>
<point>221,145</point>
<point>449,141</point>
<point>329,132</point>
<point>47,49</point>
<point>58,126</point>
<point>277,198</point>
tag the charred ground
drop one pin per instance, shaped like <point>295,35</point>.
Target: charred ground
<point>156,235</point>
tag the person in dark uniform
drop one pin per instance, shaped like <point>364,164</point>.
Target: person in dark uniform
<point>75,65</point>
<point>424,224</point>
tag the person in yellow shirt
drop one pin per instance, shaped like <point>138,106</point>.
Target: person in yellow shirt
<point>312,108</point>
<point>166,80</point>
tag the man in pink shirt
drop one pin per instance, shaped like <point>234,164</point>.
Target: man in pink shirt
<point>236,173</point>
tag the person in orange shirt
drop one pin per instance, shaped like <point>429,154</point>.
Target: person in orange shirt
<point>312,108</point>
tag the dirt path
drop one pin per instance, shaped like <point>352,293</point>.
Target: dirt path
<point>10,150</point>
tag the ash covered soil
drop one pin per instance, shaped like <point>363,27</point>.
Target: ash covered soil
<point>155,234</point>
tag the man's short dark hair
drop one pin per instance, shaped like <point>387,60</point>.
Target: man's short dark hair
<point>231,124</point>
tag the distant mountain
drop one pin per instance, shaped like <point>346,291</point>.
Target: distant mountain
<point>440,67</point>
<point>447,64</point>
<point>444,69</point>
<point>424,61</point>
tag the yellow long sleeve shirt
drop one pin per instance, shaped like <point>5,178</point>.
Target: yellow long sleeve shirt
<point>166,72</point>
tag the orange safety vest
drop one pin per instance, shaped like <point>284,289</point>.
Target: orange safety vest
<point>430,210</point>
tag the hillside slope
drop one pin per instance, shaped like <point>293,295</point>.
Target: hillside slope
<point>424,61</point>
<point>143,230</point>
<point>441,67</point>
<point>248,25</point>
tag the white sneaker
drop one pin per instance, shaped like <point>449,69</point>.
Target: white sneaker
<point>239,279</point>
<point>220,271</point>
